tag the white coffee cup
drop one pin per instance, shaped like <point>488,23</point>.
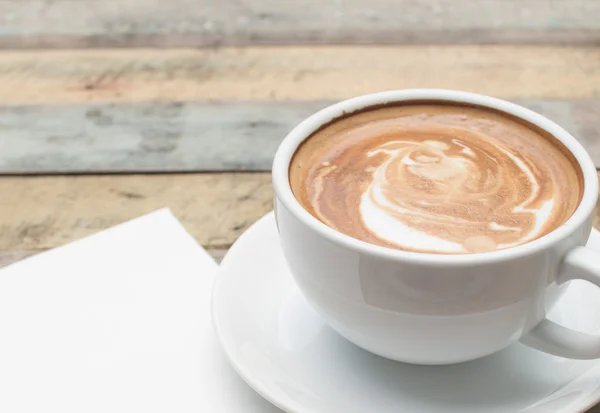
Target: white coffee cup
<point>435,308</point>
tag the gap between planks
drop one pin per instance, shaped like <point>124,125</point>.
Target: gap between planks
<point>39,213</point>
<point>195,23</point>
<point>294,73</point>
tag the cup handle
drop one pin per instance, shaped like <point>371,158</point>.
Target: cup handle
<point>579,263</point>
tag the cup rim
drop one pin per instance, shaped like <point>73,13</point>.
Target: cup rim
<point>283,191</point>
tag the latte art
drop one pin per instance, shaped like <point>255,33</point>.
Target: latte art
<point>435,178</point>
<point>425,186</point>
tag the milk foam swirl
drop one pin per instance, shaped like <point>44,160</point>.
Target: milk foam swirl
<point>436,180</point>
<point>417,197</point>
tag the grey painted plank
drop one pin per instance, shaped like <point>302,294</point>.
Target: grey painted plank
<point>196,136</point>
<point>161,137</point>
<point>177,23</point>
<point>190,136</point>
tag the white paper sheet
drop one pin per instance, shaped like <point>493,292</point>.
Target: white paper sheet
<point>117,322</point>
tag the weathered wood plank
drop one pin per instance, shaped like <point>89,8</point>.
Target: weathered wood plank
<point>199,136</point>
<point>117,23</point>
<point>37,213</point>
<point>295,73</point>
<point>10,257</point>
<point>189,136</point>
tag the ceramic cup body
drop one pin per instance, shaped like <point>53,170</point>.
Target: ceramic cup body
<point>426,308</point>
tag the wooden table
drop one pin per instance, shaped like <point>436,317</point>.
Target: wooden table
<point>111,109</point>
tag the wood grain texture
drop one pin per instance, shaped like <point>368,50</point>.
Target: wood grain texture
<point>37,213</point>
<point>295,73</point>
<point>194,136</point>
<point>190,136</point>
<point>126,23</point>
<point>10,257</point>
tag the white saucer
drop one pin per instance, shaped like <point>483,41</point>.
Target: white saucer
<point>282,349</point>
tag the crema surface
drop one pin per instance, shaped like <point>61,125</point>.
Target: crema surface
<point>436,178</point>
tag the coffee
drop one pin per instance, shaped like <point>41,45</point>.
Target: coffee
<point>436,178</point>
